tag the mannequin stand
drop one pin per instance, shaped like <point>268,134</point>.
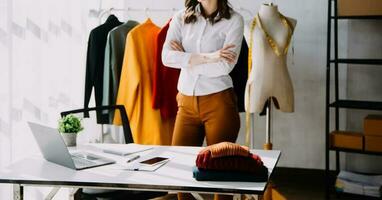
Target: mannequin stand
<point>271,192</point>
<point>268,144</point>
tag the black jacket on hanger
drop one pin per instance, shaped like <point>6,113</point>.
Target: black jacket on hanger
<point>95,64</point>
<point>239,75</point>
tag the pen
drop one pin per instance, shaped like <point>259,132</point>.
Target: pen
<point>134,158</point>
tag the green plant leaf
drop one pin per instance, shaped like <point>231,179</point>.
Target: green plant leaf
<point>70,124</point>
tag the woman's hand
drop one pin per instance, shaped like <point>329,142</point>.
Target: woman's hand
<point>176,46</point>
<point>226,54</point>
<point>203,58</point>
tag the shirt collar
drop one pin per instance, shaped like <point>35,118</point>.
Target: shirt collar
<point>112,18</point>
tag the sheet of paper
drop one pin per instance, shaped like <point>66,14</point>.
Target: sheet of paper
<point>123,150</point>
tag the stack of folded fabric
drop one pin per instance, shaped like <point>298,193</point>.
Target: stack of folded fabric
<point>349,182</point>
<point>229,162</point>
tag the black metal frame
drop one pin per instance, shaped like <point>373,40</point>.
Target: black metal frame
<point>122,111</point>
<point>341,103</point>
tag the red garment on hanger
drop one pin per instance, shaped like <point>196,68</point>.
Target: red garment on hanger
<point>165,81</point>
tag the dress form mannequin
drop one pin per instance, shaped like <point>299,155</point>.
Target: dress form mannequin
<point>269,77</point>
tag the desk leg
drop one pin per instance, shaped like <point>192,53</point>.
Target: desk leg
<point>257,197</point>
<point>248,197</point>
<point>18,192</point>
<point>197,196</point>
<point>52,193</point>
<point>73,193</point>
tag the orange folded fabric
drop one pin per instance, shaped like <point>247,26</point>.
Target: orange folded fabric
<point>225,149</point>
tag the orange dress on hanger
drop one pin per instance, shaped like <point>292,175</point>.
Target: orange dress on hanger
<point>135,88</point>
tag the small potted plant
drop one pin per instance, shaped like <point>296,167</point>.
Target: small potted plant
<point>69,126</point>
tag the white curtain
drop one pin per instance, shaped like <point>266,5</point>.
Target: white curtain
<point>42,70</point>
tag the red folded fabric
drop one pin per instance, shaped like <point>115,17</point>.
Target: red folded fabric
<point>249,164</point>
<point>225,149</point>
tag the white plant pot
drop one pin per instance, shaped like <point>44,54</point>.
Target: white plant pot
<point>70,139</point>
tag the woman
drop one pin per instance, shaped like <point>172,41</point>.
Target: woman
<point>204,41</point>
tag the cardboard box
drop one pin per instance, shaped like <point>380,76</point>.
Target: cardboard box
<point>359,7</point>
<point>373,143</point>
<point>346,139</point>
<point>372,125</point>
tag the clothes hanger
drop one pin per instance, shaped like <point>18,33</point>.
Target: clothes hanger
<point>127,16</point>
<point>174,10</point>
<point>113,12</point>
<point>104,13</point>
<point>147,13</point>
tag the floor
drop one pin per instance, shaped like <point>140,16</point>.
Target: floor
<point>299,184</point>
<point>302,184</point>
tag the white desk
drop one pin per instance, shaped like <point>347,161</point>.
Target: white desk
<point>176,175</point>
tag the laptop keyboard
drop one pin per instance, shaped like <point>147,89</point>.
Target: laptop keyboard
<point>81,162</point>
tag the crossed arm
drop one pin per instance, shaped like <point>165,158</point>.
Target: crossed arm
<point>214,64</point>
<point>224,54</point>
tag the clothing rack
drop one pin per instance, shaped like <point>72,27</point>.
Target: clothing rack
<point>102,13</point>
<point>130,9</point>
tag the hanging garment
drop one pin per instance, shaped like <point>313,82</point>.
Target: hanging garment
<point>239,75</point>
<point>165,81</point>
<point>115,48</point>
<point>95,64</point>
<point>135,87</point>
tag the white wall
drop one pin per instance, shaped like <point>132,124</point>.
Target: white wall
<point>5,144</point>
<point>364,83</point>
<point>300,135</point>
<point>42,57</point>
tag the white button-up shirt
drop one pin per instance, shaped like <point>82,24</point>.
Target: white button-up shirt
<point>202,37</point>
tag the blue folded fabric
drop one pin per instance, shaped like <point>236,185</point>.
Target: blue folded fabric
<point>213,175</point>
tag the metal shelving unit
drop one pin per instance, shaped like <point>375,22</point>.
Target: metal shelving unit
<point>358,17</point>
<point>356,151</point>
<point>351,104</point>
<point>332,63</point>
<point>358,61</point>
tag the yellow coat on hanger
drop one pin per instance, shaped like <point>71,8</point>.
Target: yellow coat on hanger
<point>135,88</point>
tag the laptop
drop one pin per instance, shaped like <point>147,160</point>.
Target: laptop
<point>54,150</point>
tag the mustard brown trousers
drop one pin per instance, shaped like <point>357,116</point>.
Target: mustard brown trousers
<point>214,116</point>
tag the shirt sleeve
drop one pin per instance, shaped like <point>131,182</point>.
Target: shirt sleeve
<point>106,74</point>
<point>88,77</point>
<point>171,58</point>
<point>221,68</point>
